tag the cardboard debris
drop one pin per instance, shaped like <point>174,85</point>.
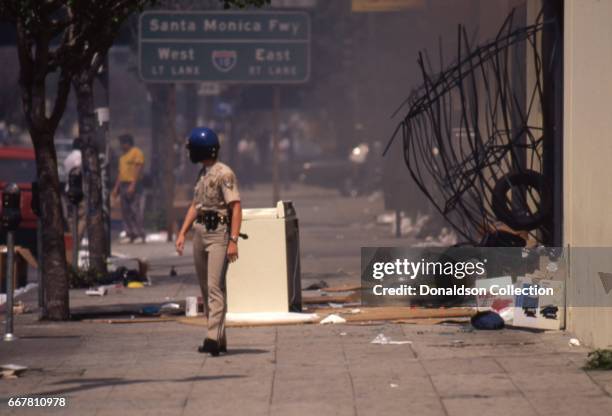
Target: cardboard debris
<point>345,288</point>
<point>131,320</point>
<point>432,321</point>
<point>350,315</point>
<point>540,312</point>
<point>19,308</point>
<point>324,298</point>
<point>11,370</point>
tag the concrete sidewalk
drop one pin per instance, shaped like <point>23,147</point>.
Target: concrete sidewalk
<point>153,369</point>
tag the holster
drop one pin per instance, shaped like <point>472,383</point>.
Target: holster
<point>212,219</point>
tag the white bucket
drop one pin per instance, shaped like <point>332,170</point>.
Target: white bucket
<point>191,306</point>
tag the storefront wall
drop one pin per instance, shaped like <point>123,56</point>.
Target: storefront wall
<point>588,165</point>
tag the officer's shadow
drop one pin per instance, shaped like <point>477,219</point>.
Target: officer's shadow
<point>240,351</point>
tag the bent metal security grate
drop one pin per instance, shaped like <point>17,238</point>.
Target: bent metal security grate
<point>473,134</point>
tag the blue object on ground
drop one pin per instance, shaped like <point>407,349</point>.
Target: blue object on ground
<point>487,320</point>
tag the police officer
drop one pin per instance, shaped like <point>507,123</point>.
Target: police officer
<point>215,214</point>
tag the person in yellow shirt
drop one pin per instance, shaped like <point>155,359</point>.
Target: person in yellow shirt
<point>128,188</point>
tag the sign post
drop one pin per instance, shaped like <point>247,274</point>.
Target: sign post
<point>275,146</point>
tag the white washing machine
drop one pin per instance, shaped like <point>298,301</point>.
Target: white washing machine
<point>266,277</point>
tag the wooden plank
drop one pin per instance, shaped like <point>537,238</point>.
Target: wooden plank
<point>344,288</point>
<point>131,321</point>
<point>320,299</point>
<point>393,313</point>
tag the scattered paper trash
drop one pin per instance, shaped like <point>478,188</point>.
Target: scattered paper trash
<point>333,319</point>
<point>191,306</point>
<point>393,385</point>
<point>99,291</point>
<point>381,339</point>
<point>18,292</point>
<point>574,342</point>
<point>342,334</point>
<point>11,370</point>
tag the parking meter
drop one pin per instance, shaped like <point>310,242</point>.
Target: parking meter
<point>11,207</point>
<point>75,187</point>
<point>10,219</point>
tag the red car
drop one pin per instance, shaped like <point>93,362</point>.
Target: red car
<point>18,164</point>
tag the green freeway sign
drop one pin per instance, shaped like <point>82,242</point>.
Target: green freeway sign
<point>239,47</point>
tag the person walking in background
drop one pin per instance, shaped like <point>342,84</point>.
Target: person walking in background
<point>128,188</point>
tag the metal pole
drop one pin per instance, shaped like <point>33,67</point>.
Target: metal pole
<point>10,250</point>
<point>104,148</point>
<point>75,236</point>
<point>398,223</point>
<point>275,146</point>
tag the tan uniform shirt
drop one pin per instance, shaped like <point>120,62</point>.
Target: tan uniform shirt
<point>215,189</point>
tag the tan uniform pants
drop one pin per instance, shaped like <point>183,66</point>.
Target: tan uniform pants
<point>210,255</point>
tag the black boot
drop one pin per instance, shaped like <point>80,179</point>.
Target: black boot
<point>210,346</point>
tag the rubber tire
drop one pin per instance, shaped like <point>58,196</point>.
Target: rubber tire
<point>526,178</point>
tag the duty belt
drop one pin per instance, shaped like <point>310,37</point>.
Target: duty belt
<point>212,219</point>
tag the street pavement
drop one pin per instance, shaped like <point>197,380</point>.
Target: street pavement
<point>154,369</point>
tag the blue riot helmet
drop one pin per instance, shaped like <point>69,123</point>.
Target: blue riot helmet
<point>202,144</point>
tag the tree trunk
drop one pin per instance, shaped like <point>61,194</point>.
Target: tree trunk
<point>33,71</point>
<point>92,175</point>
<point>164,142</point>
<point>54,261</point>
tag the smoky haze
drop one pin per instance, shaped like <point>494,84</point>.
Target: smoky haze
<point>363,66</point>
